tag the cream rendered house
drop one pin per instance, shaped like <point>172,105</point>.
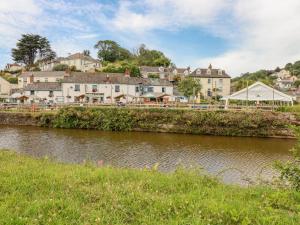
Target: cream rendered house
<point>82,62</point>
<point>214,82</point>
<point>13,67</point>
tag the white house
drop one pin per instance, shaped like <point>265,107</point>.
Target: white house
<point>44,93</point>
<point>110,88</point>
<point>35,77</point>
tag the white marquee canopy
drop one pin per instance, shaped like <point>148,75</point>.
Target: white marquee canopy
<point>259,92</point>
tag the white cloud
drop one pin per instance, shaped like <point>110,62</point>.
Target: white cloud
<point>147,15</point>
<point>269,36</point>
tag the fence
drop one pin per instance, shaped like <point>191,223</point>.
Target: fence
<point>200,107</point>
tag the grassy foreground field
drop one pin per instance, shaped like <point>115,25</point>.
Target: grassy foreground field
<point>42,192</point>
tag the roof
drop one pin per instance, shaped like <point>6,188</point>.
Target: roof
<point>43,86</point>
<point>154,95</point>
<point>259,92</point>
<point>181,70</point>
<point>44,74</point>
<point>214,73</point>
<point>112,78</point>
<point>80,56</point>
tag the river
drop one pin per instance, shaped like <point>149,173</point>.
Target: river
<point>248,156</point>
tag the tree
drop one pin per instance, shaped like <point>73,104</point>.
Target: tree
<point>61,67</point>
<point>86,52</point>
<point>189,87</point>
<point>132,68</point>
<point>32,47</point>
<point>111,51</point>
<point>146,57</point>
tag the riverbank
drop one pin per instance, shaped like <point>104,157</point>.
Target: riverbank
<point>43,192</point>
<point>224,123</point>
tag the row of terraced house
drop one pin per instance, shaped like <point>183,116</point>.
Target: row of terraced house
<point>156,84</point>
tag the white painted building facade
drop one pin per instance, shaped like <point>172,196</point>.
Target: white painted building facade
<point>100,88</point>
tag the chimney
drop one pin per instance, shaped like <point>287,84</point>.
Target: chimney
<point>127,73</point>
<point>107,78</point>
<point>210,66</point>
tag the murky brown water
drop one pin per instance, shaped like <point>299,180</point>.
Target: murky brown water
<point>138,150</point>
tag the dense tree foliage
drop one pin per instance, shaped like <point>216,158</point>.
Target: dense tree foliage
<point>293,68</point>
<point>189,87</point>
<point>133,69</point>
<point>264,76</point>
<point>61,67</point>
<point>146,57</point>
<point>111,51</point>
<point>30,48</point>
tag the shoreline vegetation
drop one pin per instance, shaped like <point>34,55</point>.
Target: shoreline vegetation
<point>39,191</point>
<point>222,123</point>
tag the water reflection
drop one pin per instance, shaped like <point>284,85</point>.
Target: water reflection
<point>138,150</point>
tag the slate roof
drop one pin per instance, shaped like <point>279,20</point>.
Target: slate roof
<point>44,74</point>
<point>214,73</point>
<point>112,78</point>
<point>43,86</point>
<point>80,56</point>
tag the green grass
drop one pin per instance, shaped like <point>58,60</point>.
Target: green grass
<point>43,192</point>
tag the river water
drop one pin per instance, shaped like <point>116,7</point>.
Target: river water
<point>246,156</point>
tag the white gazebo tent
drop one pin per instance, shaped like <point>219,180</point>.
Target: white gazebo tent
<point>259,92</point>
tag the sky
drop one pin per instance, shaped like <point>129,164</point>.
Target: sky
<point>236,35</point>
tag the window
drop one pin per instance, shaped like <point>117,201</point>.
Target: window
<point>209,92</point>
<point>150,89</point>
<point>198,71</point>
<point>38,80</point>
<point>137,89</point>
<point>46,79</point>
<point>117,88</point>
<point>163,89</point>
<point>77,87</point>
<point>57,80</point>
<point>220,81</point>
<point>31,92</point>
<point>209,81</point>
<point>220,72</point>
<point>94,88</point>
<point>50,93</point>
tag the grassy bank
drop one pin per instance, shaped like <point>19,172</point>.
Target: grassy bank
<point>228,123</point>
<point>42,192</point>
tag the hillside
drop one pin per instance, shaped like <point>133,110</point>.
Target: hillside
<point>264,76</point>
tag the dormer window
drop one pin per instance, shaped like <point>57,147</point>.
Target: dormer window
<point>220,72</point>
<point>161,69</point>
<point>198,71</point>
<point>208,71</point>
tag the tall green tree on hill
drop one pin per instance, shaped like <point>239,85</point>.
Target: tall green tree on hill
<point>32,47</point>
<point>111,51</point>
<point>146,57</point>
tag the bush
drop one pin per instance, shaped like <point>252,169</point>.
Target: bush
<point>290,170</point>
<point>61,67</point>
